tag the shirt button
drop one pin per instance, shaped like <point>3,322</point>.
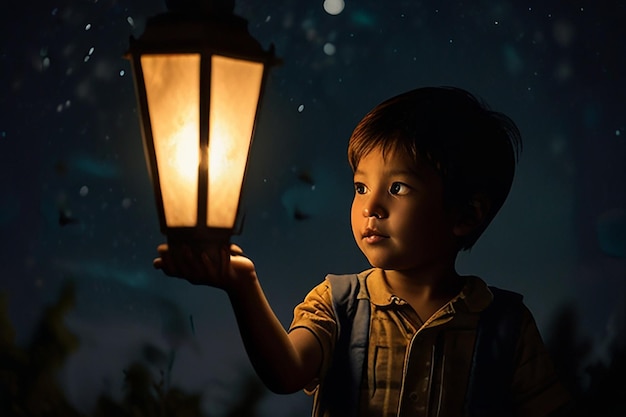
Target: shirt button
<point>413,396</point>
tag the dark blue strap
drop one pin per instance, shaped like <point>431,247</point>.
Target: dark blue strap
<point>492,368</point>
<point>342,383</point>
<point>491,375</point>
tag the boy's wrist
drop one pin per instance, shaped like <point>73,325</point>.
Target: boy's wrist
<point>247,299</point>
<point>242,285</point>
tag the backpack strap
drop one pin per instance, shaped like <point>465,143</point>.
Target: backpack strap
<point>351,305</point>
<point>491,374</point>
<point>497,335</point>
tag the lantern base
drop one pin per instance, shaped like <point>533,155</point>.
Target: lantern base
<point>214,248</point>
<point>198,245</point>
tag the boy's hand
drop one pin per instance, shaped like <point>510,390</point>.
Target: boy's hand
<point>220,267</point>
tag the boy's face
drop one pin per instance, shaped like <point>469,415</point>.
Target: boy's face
<point>398,217</point>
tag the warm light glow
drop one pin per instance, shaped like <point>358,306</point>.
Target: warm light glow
<point>235,89</point>
<point>172,89</point>
<point>184,157</point>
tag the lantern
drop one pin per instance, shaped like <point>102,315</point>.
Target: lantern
<point>199,77</point>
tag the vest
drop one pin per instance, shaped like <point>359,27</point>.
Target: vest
<point>492,367</point>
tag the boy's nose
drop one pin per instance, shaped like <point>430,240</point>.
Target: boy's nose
<point>375,211</point>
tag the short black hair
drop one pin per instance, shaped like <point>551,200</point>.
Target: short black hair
<point>473,148</point>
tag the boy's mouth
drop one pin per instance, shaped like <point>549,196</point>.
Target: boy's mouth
<point>373,235</point>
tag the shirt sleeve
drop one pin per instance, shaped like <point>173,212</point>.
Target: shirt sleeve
<point>537,391</point>
<point>316,315</point>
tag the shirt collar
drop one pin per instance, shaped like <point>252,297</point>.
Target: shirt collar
<point>379,291</point>
<point>475,294</point>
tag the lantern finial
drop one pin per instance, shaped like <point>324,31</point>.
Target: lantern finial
<point>213,7</point>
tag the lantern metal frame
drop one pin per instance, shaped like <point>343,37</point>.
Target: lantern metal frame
<point>205,31</point>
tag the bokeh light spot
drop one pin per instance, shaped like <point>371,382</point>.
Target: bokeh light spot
<point>334,7</point>
<point>329,48</point>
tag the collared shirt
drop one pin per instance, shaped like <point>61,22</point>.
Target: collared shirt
<point>417,368</point>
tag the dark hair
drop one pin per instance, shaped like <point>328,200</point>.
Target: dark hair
<point>474,149</point>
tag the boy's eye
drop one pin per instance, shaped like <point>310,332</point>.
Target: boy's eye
<point>359,188</point>
<point>397,188</point>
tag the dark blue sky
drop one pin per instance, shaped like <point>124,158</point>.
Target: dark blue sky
<point>70,143</point>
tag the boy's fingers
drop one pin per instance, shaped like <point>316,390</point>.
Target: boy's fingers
<point>236,250</point>
<point>157,263</point>
<point>198,267</point>
<point>164,260</point>
<point>168,262</point>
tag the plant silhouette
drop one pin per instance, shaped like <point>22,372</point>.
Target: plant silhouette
<point>598,387</point>
<point>29,387</point>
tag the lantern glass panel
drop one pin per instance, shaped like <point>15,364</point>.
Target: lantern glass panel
<point>235,90</point>
<point>173,99</point>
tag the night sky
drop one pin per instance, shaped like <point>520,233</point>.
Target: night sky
<point>77,203</point>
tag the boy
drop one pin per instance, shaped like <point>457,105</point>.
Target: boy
<point>432,167</point>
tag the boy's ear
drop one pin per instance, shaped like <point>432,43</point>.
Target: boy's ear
<point>472,215</point>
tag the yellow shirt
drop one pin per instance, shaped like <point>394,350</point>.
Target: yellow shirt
<point>417,368</point>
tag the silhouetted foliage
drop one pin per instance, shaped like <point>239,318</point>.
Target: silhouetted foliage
<point>252,392</point>
<point>29,386</point>
<point>606,394</point>
<point>568,348</point>
<point>28,376</point>
<point>598,388</point>
<point>145,398</point>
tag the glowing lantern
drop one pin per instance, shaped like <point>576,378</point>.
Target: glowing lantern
<point>199,78</point>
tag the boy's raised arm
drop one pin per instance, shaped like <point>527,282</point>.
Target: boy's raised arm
<point>285,362</point>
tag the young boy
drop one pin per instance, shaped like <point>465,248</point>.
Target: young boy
<point>432,167</point>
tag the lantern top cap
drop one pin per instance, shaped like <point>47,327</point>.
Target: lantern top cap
<point>200,25</point>
<point>214,7</point>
